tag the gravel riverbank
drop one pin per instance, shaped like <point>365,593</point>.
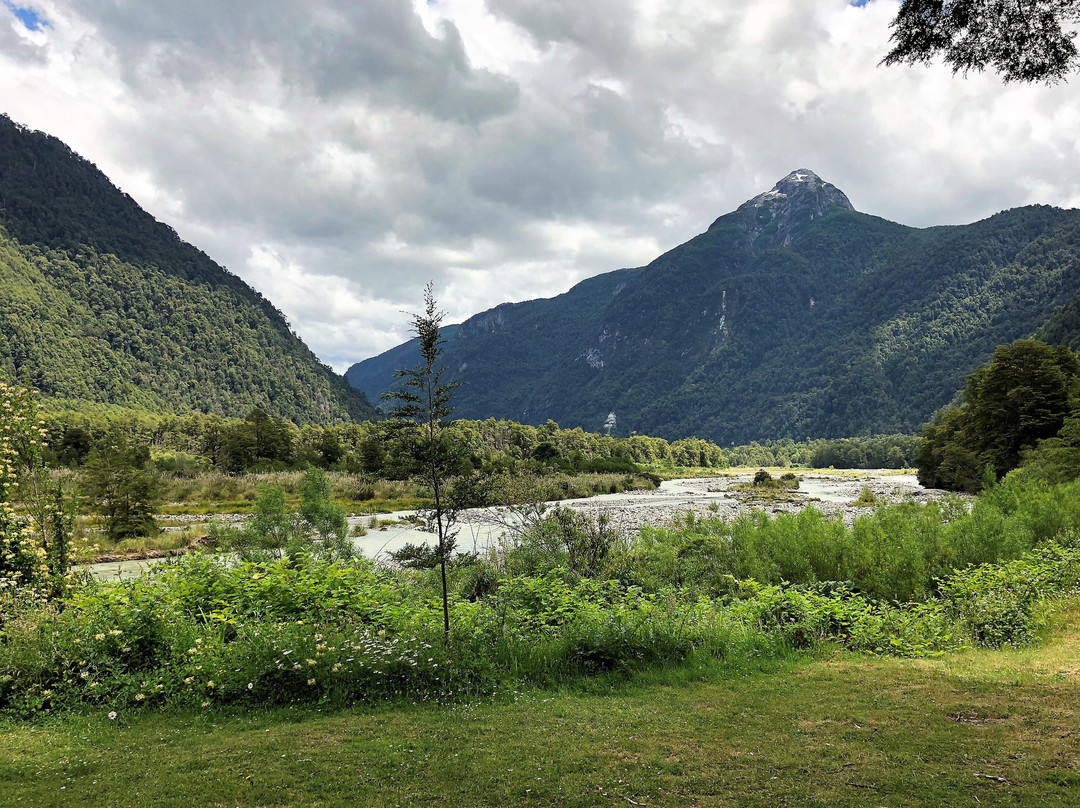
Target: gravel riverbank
<point>830,492</point>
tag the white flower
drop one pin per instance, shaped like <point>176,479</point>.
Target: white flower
<point>112,715</point>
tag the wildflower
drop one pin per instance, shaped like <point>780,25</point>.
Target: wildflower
<point>112,715</point>
<point>139,697</point>
<point>311,681</point>
<point>188,680</point>
<point>47,693</point>
<point>99,637</point>
<point>115,632</point>
<point>251,685</point>
<point>210,683</point>
<point>206,704</point>
<point>311,662</point>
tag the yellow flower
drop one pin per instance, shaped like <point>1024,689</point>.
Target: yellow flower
<point>99,637</point>
<point>139,697</point>
<point>311,681</point>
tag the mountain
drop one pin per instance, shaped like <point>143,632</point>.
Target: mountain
<point>99,302</point>
<point>793,316</point>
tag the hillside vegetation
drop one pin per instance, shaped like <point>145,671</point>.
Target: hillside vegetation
<point>794,316</point>
<point>101,303</point>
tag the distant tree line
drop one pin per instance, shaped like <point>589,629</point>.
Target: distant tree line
<point>185,445</point>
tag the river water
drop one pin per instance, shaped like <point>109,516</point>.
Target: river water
<point>831,492</point>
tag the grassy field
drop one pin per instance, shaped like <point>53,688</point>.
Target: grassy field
<point>974,728</point>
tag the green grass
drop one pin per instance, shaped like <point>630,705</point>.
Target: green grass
<point>975,728</point>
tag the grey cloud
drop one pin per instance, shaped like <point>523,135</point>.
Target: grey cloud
<point>16,46</point>
<point>374,48</point>
<point>350,141</point>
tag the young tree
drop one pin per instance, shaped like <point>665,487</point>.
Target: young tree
<point>120,484</point>
<point>423,402</point>
<point>1024,41</point>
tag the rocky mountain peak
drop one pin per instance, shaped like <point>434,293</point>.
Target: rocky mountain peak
<point>773,218</point>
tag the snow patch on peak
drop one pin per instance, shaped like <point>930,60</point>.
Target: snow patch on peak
<point>768,196</point>
<point>782,212</point>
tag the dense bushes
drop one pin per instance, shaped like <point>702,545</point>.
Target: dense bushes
<point>314,628</point>
<point>895,553</point>
<point>201,633</point>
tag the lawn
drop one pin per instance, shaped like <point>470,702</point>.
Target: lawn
<point>971,728</point>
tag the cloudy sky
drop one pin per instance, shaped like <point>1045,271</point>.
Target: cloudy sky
<point>338,154</point>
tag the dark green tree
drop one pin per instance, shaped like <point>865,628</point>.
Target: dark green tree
<point>1020,398</point>
<point>120,484</point>
<point>1024,397</point>
<point>423,401</point>
<point>1023,40</point>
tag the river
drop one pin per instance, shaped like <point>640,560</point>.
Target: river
<point>831,492</point>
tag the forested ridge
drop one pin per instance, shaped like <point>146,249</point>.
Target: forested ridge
<point>99,302</point>
<point>795,316</point>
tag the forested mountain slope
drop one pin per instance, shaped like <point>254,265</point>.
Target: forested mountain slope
<point>99,302</point>
<point>793,316</point>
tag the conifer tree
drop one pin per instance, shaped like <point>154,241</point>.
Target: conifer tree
<point>424,401</point>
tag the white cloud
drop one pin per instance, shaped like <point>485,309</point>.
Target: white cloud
<point>338,155</point>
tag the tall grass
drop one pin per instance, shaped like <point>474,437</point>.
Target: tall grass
<point>896,553</point>
<point>214,491</point>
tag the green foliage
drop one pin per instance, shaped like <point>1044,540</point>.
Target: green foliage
<point>101,303</point>
<point>564,538</point>
<point>36,551</point>
<point>1022,407</point>
<point>1021,42</point>
<point>866,497</point>
<point>275,531</point>
<point>997,602</point>
<point>120,484</point>
<point>324,517</point>
<point>314,629</point>
<point>895,553</point>
<point>423,405</point>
